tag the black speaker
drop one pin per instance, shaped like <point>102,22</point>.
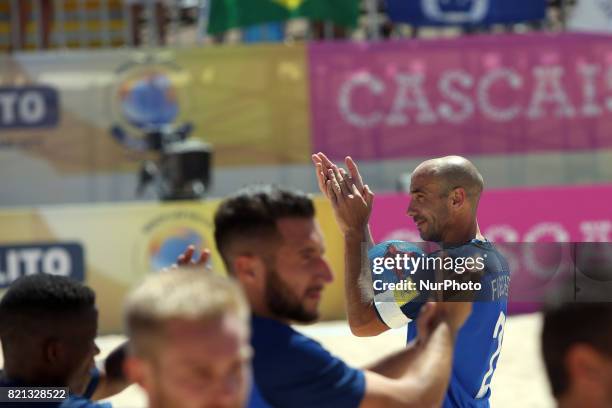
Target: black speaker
<point>185,169</point>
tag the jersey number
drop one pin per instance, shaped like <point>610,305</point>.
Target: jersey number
<point>498,334</point>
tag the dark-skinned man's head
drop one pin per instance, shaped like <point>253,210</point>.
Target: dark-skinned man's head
<point>48,326</point>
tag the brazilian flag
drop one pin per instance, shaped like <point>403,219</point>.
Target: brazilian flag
<point>227,14</point>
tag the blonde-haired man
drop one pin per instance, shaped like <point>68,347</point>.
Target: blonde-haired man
<point>189,340</point>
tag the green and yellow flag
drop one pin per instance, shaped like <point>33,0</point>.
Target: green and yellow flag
<point>226,14</point>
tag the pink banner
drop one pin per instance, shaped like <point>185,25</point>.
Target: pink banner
<point>542,215</point>
<point>553,214</point>
<point>481,95</point>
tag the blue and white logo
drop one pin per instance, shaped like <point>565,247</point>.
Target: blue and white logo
<point>455,11</point>
<point>149,101</point>
<point>465,12</point>
<point>145,103</point>
<point>28,107</point>
<point>63,259</point>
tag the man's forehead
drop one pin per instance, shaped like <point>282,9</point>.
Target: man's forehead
<point>423,181</point>
<point>429,168</point>
<point>223,335</point>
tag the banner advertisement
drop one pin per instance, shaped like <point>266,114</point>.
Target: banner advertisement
<point>28,107</point>
<point>90,112</point>
<point>78,128</point>
<point>465,12</point>
<point>542,216</point>
<point>113,247</point>
<point>502,94</point>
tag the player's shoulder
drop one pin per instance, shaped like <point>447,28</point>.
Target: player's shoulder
<point>473,248</point>
<point>294,365</point>
<point>81,402</point>
<point>269,330</point>
<point>275,343</point>
<point>474,245</point>
<point>4,382</point>
<point>491,262</point>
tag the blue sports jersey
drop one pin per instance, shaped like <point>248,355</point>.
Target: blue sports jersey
<point>479,341</point>
<point>256,400</point>
<point>292,370</point>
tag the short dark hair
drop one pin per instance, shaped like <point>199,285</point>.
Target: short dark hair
<point>569,323</point>
<point>44,299</point>
<point>252,213</point>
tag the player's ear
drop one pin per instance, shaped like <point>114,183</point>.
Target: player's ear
<point>248,268</point>
<point>585,367</point>
<point>137,371</point>
<point>457,197</point>
<point>53,350</point>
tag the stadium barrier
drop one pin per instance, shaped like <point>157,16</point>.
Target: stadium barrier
<point>112,247</point>
<point>514,96</point>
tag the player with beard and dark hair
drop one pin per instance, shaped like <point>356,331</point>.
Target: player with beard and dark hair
<point>252,225</point>
<point>271,243</point>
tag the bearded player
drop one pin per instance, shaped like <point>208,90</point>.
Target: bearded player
<point>444,199</point>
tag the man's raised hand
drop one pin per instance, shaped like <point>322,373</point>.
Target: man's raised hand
<point>347,179</point>
<point>351,208</point>
<point>350,198</point>
<point>186,260</point>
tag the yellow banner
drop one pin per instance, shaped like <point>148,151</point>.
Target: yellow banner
<point>120,244</point>
<point>249,102</point>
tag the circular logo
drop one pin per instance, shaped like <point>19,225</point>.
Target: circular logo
<point>148,100</point>
<point>167,235</point>
<point>166,246</point>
